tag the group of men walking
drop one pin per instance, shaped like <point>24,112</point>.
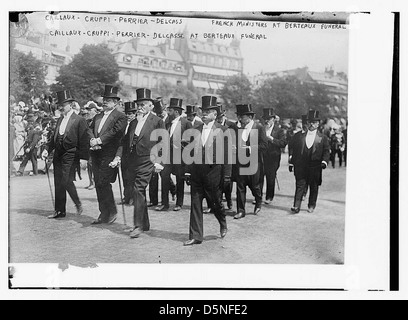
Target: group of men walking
<point>208,153</point>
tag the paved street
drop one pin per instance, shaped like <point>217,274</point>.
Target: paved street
<point>274,236</point>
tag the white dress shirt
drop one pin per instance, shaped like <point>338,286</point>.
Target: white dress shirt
<point>64,122</point>
<point>247,130</point>
<point>269,130</point>
<point>206,132</point>
<point>105,116</point>
<point>140,124</point>
<point>174,125</point>
<point>310,138</point>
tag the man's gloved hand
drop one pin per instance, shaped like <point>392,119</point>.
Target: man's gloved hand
<point>115,162</point>
<point>27,150</point>
<point>95,148</point>
<point>291,167</point>
<point>83,164</point>
<point>93,142</point>
<point>187,178</point>
<point>324,165</point>
<point>44,155</point>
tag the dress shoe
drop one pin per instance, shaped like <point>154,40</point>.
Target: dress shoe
<point>295,210</point>
<point>161,208</point>
<point>191,242</point>
<point>229,205</point>
<point>254,202</point>
<point>135,233</point>
<point>57,215</point>
<point>177,208</point>
<point>257,210</point>
<point>151,205</point>
<point>97,221</point>
<point>239,215</point>
<point>207,211</point>
<point>113,218</point>
<point>268,201</point>
<point>311,209</point>
<point>223,232</point>
<point>79,209</point>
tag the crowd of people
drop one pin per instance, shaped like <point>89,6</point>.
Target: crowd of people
<point>109,136</point>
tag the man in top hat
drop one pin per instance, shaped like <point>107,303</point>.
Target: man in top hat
<point>160,110</point>
<point>192,115</point>
<point>70,142</point>
<point>206,174</point>
<point>137,147</point>
<point>107,130</point>
<point>272,155</point>
<point>247,129</point>
<point>176,127</point>
<point>310,155</point>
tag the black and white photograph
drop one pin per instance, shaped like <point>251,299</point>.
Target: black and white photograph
<point>198,149</point>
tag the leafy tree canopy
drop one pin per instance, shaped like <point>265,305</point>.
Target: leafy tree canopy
<point>88,72</point>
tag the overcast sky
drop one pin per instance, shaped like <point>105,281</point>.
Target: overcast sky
<point>283,48</point>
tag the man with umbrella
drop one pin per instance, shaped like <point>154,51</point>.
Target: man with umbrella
<point>107,130</point>
<point>70,141</point>
<point>137,146</point>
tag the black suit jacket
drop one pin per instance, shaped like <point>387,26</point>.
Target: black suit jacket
<point>273,148</point>
<point>111,132</point>
<point>176,140</point>
<point>217,130</point>
<point>143,145</point>
<point>76,136</point>
<point>320,150</point>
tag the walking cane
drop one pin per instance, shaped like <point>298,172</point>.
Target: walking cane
<point>49,183</point>
<point>121,197</point>
<point>277,182</point>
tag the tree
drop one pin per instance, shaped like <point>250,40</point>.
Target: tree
<point>27,76</point>
<point>88,72</point>
<point>237,90</point>
<point>290,97</point>
<point>167,90</point>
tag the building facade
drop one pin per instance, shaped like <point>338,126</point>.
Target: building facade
<point>148,66</point>
<point>209,64</point>
<point>49,54</point>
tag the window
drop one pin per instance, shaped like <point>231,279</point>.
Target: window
<point>179,82</point>
<point>146,81</point>
<point>127,58</point>
<point>155,83</point>
<point>163,64</point>
<point>194,57</point>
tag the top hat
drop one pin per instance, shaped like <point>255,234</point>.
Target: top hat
<point>110,92</point>
<point>313,115</point>
<point>268,113</point>
<point>64,96</point>
<point>243,109</point>
<point>130,106</point>
<point>304,118</point>
<point>209,102</point>
<point>190,110</point>
<point>143,94</point>
<point>176,104</point>
<point>158,106</point>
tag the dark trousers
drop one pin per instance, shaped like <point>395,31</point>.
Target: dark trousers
<point>270,167</point>
<point>90,173</point>
<point>140,172</point>
<point>333,154</point>
<point>154,188</point>
<point>304,178</point>
<point>64,175</point>
<point>32,155</point>
<point>205,181</point>
<point>227,190</point>
<point>253,182</point>
<point>178,171</point>
<point>127,184</point>
<point>104,176</point>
